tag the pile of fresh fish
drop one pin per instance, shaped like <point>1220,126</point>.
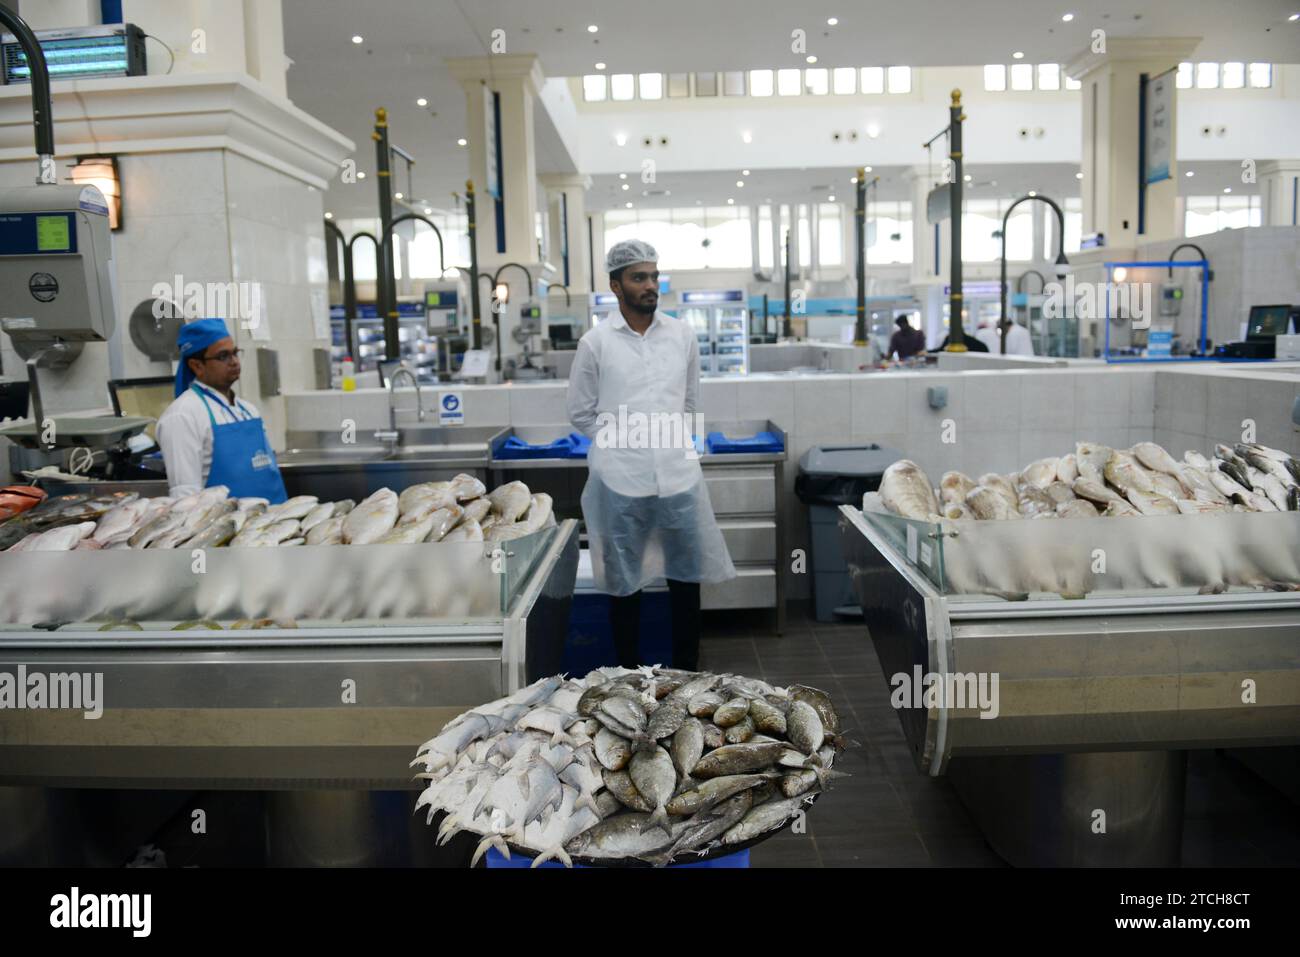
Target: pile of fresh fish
<point>984,553</point>
<point>649,765</point>
<point>1095,480</point>
<point>457,510</point>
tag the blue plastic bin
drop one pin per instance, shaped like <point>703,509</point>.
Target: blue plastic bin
<point>495,860</point>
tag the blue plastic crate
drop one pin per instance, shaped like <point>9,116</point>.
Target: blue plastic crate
<point>590,641</point>
<point>493,859</point>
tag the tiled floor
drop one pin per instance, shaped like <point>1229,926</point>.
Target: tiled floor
<point>888,814</point>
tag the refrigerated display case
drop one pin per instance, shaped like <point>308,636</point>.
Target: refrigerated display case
<point>419,349</point>
<point>720,320</point>
<point>1074,662</point>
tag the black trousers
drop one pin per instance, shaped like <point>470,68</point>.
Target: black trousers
<point>625,620</point>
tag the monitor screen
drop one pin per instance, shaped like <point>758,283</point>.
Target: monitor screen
<point>1268,321</point>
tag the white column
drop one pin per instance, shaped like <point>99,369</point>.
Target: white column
<point>1111,123</point>
<point>1279,192</point>
<point>567,192</point>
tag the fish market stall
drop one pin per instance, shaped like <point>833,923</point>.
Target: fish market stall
<point>1057,664</point>
<point>744,478</point>
<point>309,671</point>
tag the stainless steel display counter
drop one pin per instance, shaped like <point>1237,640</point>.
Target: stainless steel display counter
<point>391,642</point>
<point>744,489</point>
<point>1099,695</point>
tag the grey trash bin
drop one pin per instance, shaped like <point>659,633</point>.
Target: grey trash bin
<point>831,476</point>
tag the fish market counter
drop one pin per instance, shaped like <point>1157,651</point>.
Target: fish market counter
<point>366,649</point>
<point>1058,671</point>
<point>744,489</point>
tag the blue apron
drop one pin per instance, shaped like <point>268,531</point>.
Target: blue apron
<point>242,459</point>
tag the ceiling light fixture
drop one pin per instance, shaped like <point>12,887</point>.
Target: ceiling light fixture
<point>1227,189</point>
<point>462,141</point>
<point>1067,18</point>
<point>740,183</point>
<point>1190,173</point>
<point>873,130</point>
<point>620,139</point>
<point>428,211</point>
<point>866,169</point>
<point>1033,192</point>
<point>731,202</point>
<point>622,175</point>
<point>810,59</point>
<point>329,215</point>
<point>747,136</point>
<point>626,186</point>
<point>361,175</point>
<point>592,28</point>
<point>600,66</point>
<point>744,172</point>
<point>421,102</point>
<point>832,21</point>
<point>628,205</point>
<point>830,199</point>
<point>1078,176</point>
<point>853,180</point>
<point>397,195</point>
<point>358,39</point>
<point>1018,55</point>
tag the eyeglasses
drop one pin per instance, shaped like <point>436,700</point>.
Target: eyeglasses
<point>223,356</point>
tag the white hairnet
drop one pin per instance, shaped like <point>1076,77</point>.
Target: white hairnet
<point>627,252</point>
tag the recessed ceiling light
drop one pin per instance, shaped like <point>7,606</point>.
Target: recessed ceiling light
<point>421,102</point>
<point>600,66</point>
<point>428,211</point>
<point>462,141</point>
<point>361,175</point>
<point>866,169</point>
<point>744,172</point>
<point>620,139</point>
<point>830,199</point>
<point>1068,17</point>
<point>1018,55</point>
<point>747,136</point>
<point>1294,17</point>
<point>358,39</point>
<point>622,175</point>
<point>397,195</point>
<point>329,215</point>
<point>592,28</point>
<point>853,180</point>
<point>832,21</point>
<point>1033,192</point>
<point>1190,173</point>
<point>810,59</point>
<point>740,183</point>
<point>628,205</point>
<point>873,130</point>
<point>1078,176</point>
<point>732,202</point>
<point>625,186</point>
<point>967,177</point>
<point>1227,189</point>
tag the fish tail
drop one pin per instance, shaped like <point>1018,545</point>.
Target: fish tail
<point>659,819</point>
<point>586,799</point>
<point>490,840</point>
<point>556,853</point>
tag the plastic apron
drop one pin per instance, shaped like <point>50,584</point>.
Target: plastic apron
<point>242,459</point>
<point>636,540</point>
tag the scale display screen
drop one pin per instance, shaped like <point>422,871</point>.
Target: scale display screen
<point>53,234</point>
<point>1268,321</point>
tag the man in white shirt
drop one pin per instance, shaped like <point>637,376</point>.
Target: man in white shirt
<point>208,436</point>
<point>1019,341</point>
<point>634,390</point>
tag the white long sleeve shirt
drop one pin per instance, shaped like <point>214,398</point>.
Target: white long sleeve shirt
<point>658,372</point>
<point>184,434</point>
<point>1019,341</point>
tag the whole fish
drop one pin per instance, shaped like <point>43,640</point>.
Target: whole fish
<point>612,751</point>
<point>695,686</point>
<point>1124,472</point>
<point>1033,502</point>
<point>665,720</point>
<point>1152,503</point>
<point>297,507</point>
<point>954,487</point>
<point>620,836</point>
<point>687,746</point>
<point>318,514</point>
<point>987,503</point>
<point>156,527</point>
<point>408,534</point>
<point>798,782</point>
<point>443,520</point>
<point>470,531</point>
<point>1121,509</point>
<point>619,784</point>
<point>343,507</point>
<point>120,519</point>
<point>1267,484</point>
<point>372,519</point>
<point>714,737</point>
<point>273,535</point>
<point>768,718</point>
<point>539,511</point>
<point>738,759</point>
<point>467,487</point>
<point>805,729</point>
<point>434,494</point>
<point>215,535</point>
<point>707,826</point>
<point>905,490</point>
<point>1040,474</point>
<point>741,731</point>
<point>1060,493</point>
<point>1091,459</point>
<point>475,510</point>
<point>1067,469</point>
<point>821,703</point>
<point>1169,486</point>
<point>762,819</point>
<point>510,501</point>
<point>61,539</point>
<point>655,779</point>
<point>1001,485</point>
<point>1077,508</point>
<point>704,704</point>
<point>328,532</point>
<point>708,793</point>
<point>628,713</point>
<point>1095,492</point>
<point>1288,462</point>
<point>1154,457</point>
<point>731,713</point>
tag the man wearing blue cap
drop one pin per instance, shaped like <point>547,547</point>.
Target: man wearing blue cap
<point>207,436</point>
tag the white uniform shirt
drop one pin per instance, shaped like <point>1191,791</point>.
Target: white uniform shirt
<point>185,436</point>
<point>656,372</point>
<point>1019,341</point>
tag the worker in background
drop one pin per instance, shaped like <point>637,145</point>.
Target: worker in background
<point>208,436</point>
<point>906,341</point>
<point>647,511</point>
<point>1019,341</point>
<point>972,344</point>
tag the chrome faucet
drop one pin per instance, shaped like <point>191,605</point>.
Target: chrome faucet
<point>391,435</point>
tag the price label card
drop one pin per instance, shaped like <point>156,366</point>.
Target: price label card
<point>912,540</point>
<point>925,554</point>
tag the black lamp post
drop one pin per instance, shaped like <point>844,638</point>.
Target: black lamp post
<point>1062,264</point>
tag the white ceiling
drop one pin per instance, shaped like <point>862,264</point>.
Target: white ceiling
<point>406,42</point>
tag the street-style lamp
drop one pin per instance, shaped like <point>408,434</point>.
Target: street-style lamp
<point>1062,264</point>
